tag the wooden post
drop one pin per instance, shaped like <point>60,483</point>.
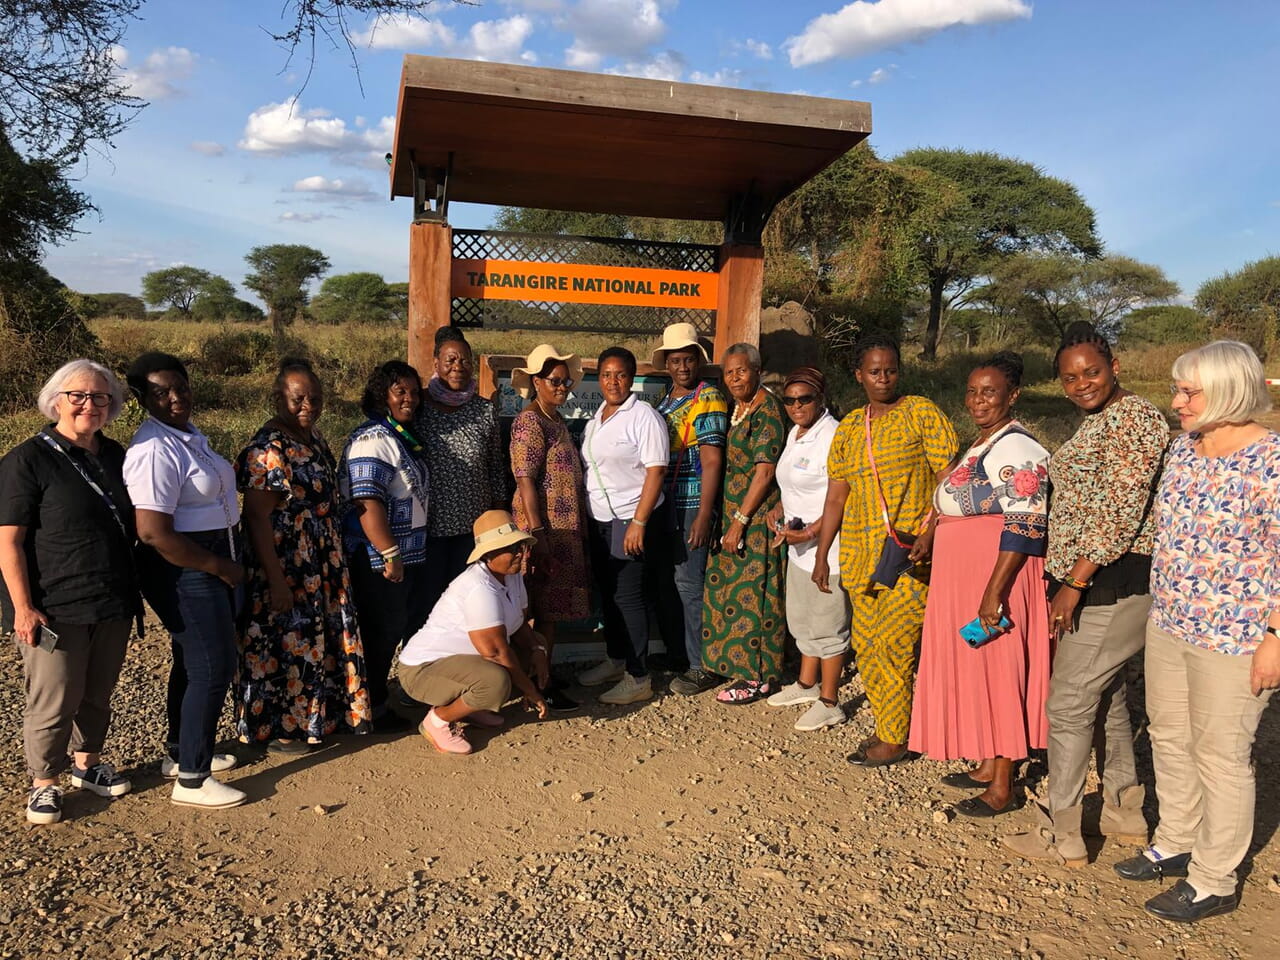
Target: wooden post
<point>741,287</point>
<point>430,299</point>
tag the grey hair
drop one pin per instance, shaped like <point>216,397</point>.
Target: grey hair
<point>1231,376</point>
<point>47,401</point>
<point>749,351</point>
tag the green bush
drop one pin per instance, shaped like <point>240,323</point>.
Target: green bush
<point>234,353</point>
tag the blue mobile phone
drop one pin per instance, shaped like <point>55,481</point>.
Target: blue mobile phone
<point>975,634</point>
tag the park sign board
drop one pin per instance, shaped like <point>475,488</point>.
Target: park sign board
<point>584,399</point>
<point>535,282</point>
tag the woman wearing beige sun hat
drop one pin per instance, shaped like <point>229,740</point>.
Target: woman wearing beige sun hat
<point>464,661</point>
<point>550,496</point>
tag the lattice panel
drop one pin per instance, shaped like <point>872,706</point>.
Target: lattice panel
<point>589,318</point>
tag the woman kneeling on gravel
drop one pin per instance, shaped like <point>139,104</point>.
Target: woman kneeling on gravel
<point>69,589</point>
<point>463,662</point>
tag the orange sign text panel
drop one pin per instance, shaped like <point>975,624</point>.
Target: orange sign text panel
<point>583,283</point>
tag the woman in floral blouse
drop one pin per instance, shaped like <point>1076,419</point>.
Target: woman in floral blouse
<point>1213,641</point>
<point>302,671</point>
<point>1098,565</point>
<point>987,703</point>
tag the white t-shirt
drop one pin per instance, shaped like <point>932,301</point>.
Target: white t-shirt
<point>176,472</point>
<point>802,479</point>
<point>617,452</point>
<point>476,600</point>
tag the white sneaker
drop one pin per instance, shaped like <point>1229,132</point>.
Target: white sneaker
<point>221,762</point>
<point>792,694</point>
<point>605,672</point>
<point>820,715</point>
<point>212,795</point>
<point>628,690</point>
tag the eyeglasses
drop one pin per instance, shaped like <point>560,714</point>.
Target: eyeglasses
<point>558,382</point>
<point>804,401</point>
<point>79,398</point>
<point>1189,393</point>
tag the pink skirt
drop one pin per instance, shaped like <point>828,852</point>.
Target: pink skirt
<point>989,702</point>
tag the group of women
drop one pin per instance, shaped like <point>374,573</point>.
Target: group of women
<point>992,594</point>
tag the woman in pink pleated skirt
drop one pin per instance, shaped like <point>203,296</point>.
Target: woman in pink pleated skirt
<point>983,700</point>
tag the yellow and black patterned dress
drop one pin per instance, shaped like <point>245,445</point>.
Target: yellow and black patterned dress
<point>743,626</point>
<point>912,441</point>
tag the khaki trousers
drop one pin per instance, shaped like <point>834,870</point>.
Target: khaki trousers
<point>69,693</point>
<point>482,684</point>
<point>1088,683</point>
<point>1203,720</point>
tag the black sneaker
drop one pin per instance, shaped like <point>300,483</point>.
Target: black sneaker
<point>557,700</point>
<point>44,805</point>
<point>101,779</point>
<point>695,681</point>
<point>1179,903</point>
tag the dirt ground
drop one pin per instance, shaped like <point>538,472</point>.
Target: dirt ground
<point>676,828</point>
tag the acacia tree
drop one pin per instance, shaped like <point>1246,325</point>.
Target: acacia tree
<point>175,287</point>
<point>281,273</point>
<point>348,297</point>
<point>1245,304</point>
<point>1112,286</point>
<point>1002,206</point>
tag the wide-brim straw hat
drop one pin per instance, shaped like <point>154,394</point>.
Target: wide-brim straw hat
<point>493,530</point>
<point>678,336</point>
<point>522,377</point>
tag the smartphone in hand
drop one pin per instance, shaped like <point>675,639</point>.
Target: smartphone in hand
<point>975,634</point>
<point>46,639</point>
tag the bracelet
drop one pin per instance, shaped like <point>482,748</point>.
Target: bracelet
<point>1070,581</point>
<point>537,529</point>
<point>391,553</point>
<point>638,522</point>
<point>742,518</point>
<point>540,648</point>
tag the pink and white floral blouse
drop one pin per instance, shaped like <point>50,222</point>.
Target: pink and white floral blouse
<point>1215,571</point>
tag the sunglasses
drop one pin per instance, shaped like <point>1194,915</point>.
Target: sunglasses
<point>804,401</point>
<point>558,382</point>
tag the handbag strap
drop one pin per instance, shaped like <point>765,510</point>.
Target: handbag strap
<point>599,479</point>
<point>97,488</point>
<point>875,475</point>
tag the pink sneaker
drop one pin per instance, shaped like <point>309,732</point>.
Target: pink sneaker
<point>445,737</point>
<point>486,718</point>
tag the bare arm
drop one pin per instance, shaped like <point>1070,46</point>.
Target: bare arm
<point>155,529</point>
<point>761,478</point>
<point>377,528</point>
<point>1008,563</point>
<point>491,643</point>
<point>633,542</point>
<point>13,566</point>
<point>258,506</point>
<point>712,460</point>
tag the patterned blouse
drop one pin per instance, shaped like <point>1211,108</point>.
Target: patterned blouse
<point>694,420</point>
<point>467,463</point>
<point>1009,475</point>
<point>1103,481</point>
<point>1214,575</point>
<point>377,465</point>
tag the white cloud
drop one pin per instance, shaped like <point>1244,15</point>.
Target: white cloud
<point>612,28</point>
<point>157,77</point>
<point>209,148</point>
<point>758,48</point>
<point>353,189</point>
<point>501,40</point>
<point>295,216</point>
<point>725,77</point>
<point>878,76</point>
<point>668,65</point>
<point>862,26</point>
<point>289,128</point>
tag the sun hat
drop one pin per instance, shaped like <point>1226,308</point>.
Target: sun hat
<point>493,530</point>
<point>678,336</point>
<point>522,377</point>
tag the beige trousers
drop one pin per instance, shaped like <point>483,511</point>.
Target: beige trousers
<point>1203,720</point>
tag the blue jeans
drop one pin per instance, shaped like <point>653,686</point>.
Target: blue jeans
<point>198,610</point>
<point>683,591</point>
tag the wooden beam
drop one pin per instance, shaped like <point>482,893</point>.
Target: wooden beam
<point>430,303</point>
<point>741,287</point>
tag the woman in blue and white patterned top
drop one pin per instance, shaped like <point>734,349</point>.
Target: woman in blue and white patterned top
<point>383,474</point>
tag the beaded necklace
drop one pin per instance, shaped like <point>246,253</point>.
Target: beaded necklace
<point>405,435</point>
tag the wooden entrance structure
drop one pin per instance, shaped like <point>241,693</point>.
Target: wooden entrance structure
<point>564,140</point>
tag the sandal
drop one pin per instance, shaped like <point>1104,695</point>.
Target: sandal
<point>963,781</point>
<point>979,809</point>
<point>746,691</point>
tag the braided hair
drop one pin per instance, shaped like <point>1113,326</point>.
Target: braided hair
<point>1078,334</point>
<point>875,341</point>
<point>1008,363</point>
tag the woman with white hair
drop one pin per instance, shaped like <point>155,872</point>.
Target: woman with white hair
<point>69,593</point>
<point>1213,639</point>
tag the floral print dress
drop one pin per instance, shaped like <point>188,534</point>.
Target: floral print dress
<point>302,672</point>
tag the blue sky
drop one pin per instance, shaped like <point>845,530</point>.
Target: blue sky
<point>1163,114</point>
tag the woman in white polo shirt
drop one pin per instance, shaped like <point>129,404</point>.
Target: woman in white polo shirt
<point>818,621</point>
<point>624,452</point>
<point>184,498</point>
<point>463,661</point>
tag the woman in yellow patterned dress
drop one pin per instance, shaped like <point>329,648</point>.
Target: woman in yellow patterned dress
<point>911,440</point>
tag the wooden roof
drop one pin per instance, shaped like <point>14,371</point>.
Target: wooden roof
<point>566,140</point>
